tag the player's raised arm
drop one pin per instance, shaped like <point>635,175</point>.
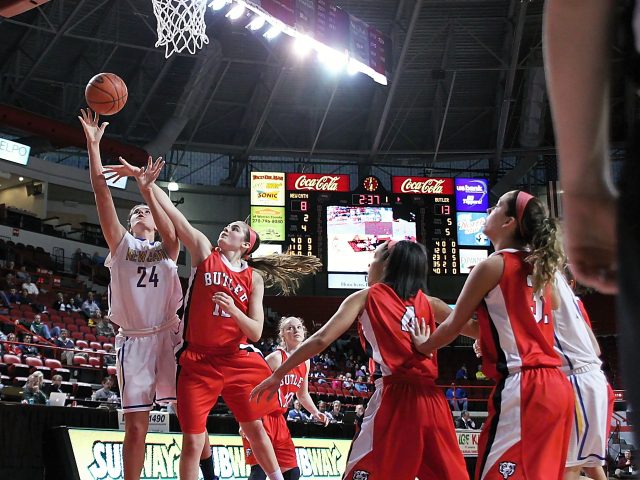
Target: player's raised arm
<point>112,230</point>
<point>145,180</point>
<point>196,242</point>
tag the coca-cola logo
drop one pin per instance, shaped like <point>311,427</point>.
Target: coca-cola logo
<point>432,186</point>
<point>325,183</point>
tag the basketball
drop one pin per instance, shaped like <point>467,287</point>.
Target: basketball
<point>106,93</point>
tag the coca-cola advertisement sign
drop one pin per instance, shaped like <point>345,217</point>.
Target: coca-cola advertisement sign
<point>318,182</point>
<point>423,185</point>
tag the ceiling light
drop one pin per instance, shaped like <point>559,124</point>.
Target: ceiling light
<point>256,24</point>
<point>173,187</point>
<point>236,12</point>
<point>272,33</point>
<point>21,178</point>
<point>353,67</point>
<point>332,59</point>
<point>302,46</point>
<point>218,4</point>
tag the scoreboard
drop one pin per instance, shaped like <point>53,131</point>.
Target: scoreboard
<point>342,227</point>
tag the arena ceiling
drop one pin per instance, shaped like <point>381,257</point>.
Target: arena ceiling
<point>466,82</point>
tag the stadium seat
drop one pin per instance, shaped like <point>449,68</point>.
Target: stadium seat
<point>84,329</point>
<point>90,337</point>
<point>111,370</point>
<point>95,345</point>
<point>72,328</point>
<point>82,344</point>
<point>80,321</point>
<point>101,338</point>
<point>77,335</point>
<point>10,359</point>
<point>107,346</point>
<point>95,361</point>
<point>79,360</point>
<point>33,362</point>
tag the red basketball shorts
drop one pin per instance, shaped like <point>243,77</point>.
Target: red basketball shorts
<point>527,432</point>
<point>407,432</point>
<point>276,427</point>
<point>202,377</point>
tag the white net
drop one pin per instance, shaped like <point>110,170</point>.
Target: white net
<point>180,25</point>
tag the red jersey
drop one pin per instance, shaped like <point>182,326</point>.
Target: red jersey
<point>384,326</point>
<point>516,326</point>
<point>205,323</point>
<point>290,383</point>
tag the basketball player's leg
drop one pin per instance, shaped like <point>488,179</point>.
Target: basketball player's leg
<point>137,384</point>
<point>199,385</point>
<point>136,425</point>
<point>243,372</point>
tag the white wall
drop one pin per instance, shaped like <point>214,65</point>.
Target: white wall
<point>17,197</point>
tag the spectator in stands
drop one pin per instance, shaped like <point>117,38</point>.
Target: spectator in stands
<point>109,359</point>
<point>90,307</point>
<point>480,374</point>
<point>104,327</point>
<point>456,397</point>
<point>32,391</point>
<point>76,304</point>
<point>61,304</point>
<point>626,468</point>
<point>97,259</point>
<point>42,329</point>
<point>56,385</point>
<point>22,274</point>
<point>362,372</point>
<point>357,421</point>
<point>30,287</point>
<point>336,413</point>
<point>360,385</point>
<point>28,349</point>
<point>11,348</point>
<point>465,421</point>
<point>348,382</point>
<point>319,377</point>
<point>11,265</point>
<point>337,382</point>
<point>23,298</point>
<point>63,341</point>
<point>296,414</point>
<point>462,373</point>
<point>105,394</point>
<point>12,295</point>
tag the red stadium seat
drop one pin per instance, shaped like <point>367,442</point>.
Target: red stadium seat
<point>77,335</point>
<point>95,345</point>
<point>82,344</point>
<point>79,360</point>
<point>72,327</point>
<point>107,346</point>
<point>111,370</point>
<point>90,337</point>
<point>33,362</point>
<point>52,363</point>
<point>85,329</point>
<point>95,361</point>
<point>60,325</point>
<point>11,359</point>
<point>101,338</point>
<point>80,321</point>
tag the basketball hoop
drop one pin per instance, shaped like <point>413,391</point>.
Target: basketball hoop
<point>180,25</point>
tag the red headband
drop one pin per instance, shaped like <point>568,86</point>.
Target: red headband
<point>522,200</point>
<point>252,241</point>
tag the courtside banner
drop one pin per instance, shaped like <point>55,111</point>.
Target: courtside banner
<point>468,441</point>
<point>98,456</point>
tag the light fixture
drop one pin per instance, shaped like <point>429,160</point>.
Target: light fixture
<point>21,179</point>
<point>334,60</point>
<point>218,4</point>
<point>301,46</point>
<point>272,33</point>
<point>256,24</point>
<point>173,187</point>
<point>353,67</point>
<point>236,12</point>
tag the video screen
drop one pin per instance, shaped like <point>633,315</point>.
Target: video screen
<point>353,233</point>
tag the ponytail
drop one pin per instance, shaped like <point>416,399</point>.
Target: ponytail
<point>542,234</point>
<point>285,271</point>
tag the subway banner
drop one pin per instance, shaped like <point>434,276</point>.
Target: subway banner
<point>98,456</point>
<point>468,442</point>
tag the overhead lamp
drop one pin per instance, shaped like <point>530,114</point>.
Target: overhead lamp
<point>332,59</point>
<point>257,23</point>
<point>301,46</point>
<point>218,4</point>
<point>236,12</point>
<point>173,187</point>
<point>353,68</point>
<point>21,179</point>
<point>272,33</point>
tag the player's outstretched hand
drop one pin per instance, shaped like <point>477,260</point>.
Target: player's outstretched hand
<point>590,238</point>
<point>420,333</point>
<point>321,418</point>
<point>267,388</point>
<point>147,176</point>
<point>90,124</point>
<point>125,169</point>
